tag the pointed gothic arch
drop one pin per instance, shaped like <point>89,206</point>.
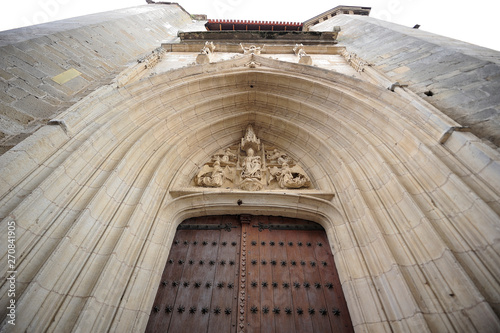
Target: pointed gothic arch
<point>109,194</point>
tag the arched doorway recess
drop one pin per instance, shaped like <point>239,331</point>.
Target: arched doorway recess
<point>249,273</point>
<point>411,218</point>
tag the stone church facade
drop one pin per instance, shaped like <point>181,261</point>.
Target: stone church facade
<point>117,127</point>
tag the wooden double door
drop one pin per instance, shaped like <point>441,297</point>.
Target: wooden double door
<point>249,274</point>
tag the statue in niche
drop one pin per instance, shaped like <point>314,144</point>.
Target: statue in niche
<point>289,177</point>
<point>251,166</point>
<point>213,176</point>
<point>251,174</point>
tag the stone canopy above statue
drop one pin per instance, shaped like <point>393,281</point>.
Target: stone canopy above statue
<point>250,165</point>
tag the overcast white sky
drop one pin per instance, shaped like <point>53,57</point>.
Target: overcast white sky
<point>470,21</point>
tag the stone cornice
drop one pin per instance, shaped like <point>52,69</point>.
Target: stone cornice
<point>274,37</point>
<point>268,49</point>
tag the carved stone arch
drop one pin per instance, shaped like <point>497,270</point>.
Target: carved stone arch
<point>107,206</point>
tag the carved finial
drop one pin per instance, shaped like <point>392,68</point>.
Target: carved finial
<point>250,140</point>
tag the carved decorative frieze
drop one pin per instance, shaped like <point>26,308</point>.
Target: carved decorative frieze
<point>251,166</point>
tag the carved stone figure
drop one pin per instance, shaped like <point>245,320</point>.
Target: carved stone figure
<point>251,184</point>
<point>356,62</point>
<point>290,177</point>
<point>209,48</point>
<point>210,176</point>
<point>251,166</point>
<point>293,177</point>
<point>274,155</point>
<point>206,53</point>
<point>214,176</point>
<point>304,58</point>
<point>252,49</point>
<point>252,64</point>
<point>278,157</point>
<point>228,156</point>
<point>299,50</point>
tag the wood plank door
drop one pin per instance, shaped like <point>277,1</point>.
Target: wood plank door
<point>249,274</point>
<point>198,289</point>
<point>292,283</point>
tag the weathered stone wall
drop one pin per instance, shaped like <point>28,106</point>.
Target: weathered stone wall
<point>98,46</point>
<point>463,78</point>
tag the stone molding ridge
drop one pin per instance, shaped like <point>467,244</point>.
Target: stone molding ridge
<point>137,69</point>
<point>449,132</point>
<point>354,60</point>
<point>185,191</point>
<point>59,122</point>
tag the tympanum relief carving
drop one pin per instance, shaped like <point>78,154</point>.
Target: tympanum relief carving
<point>251,166</point>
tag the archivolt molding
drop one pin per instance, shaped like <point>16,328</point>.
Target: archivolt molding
<point>95,215</point>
